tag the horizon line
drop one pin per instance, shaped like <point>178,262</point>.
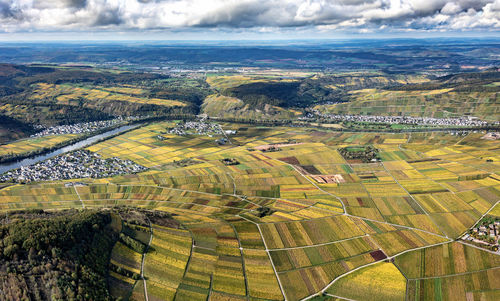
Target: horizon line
<point>486,37</point>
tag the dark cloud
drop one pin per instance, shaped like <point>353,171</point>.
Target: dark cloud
<point>108,17</point>
<point>349,15</point>
<point>6,10</point>
<point>50,4</point>
<point>244,15</point>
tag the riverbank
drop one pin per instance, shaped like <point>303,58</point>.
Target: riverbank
<point>4,167</point>
<point>81,137</point>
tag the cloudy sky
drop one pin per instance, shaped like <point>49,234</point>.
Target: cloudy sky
<point>212,19</point>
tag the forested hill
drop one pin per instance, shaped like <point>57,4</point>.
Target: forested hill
<point>51,95</point>
<point>55,256</point>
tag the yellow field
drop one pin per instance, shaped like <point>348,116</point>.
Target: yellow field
<point>34,144</point>
<point>381,281</point>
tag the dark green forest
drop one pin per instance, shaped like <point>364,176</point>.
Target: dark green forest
<point>55,256</point>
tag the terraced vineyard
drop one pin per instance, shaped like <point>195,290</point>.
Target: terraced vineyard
<point>296,222</point>
<point>68,94</point>
<point>439,103</point>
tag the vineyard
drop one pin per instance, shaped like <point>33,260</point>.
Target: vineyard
<point>293,223</point>
<point>439,103</point>
<point>68,94</point>
<point>32,145</point>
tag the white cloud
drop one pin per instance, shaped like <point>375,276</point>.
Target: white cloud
<point>354,15</point>
<point>451,8</point>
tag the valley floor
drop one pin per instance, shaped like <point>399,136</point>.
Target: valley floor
<point>290,218</point>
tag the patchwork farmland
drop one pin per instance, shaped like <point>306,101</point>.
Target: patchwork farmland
<point>290,218</point>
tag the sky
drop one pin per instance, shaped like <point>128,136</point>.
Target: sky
<point>245,19</point>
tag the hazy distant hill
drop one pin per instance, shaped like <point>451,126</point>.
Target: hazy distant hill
<point>397,55</point>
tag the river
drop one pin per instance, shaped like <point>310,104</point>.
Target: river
<point>29,161</point>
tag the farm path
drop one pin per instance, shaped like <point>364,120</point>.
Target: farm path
<point>314,184</point>
<point>269,256</point>
<point>338,297</point>
<point>411,196</point>
<point>482,216</point>
<point>449,240</point>
<point>465,136</point>
<point>144,259</point>
<point>347,214</point>
<point>453,275</point>
<point>79,197</point>
<point>247,291</point>
<point>220,150</point>
<point>369,264</point>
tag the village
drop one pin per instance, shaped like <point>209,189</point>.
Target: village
<point>202,127</point>
<point>73,165</point>
<point>467,121</point>
<point>82,128</point>
<point>486,233</point>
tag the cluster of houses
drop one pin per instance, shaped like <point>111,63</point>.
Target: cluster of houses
<point>486,234</point>
<point>83,127</point>
<point>462,121</point>
<point>201,127</point>
<point>78,128</point>
<point>491,136</point>
<point>73,165</point>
